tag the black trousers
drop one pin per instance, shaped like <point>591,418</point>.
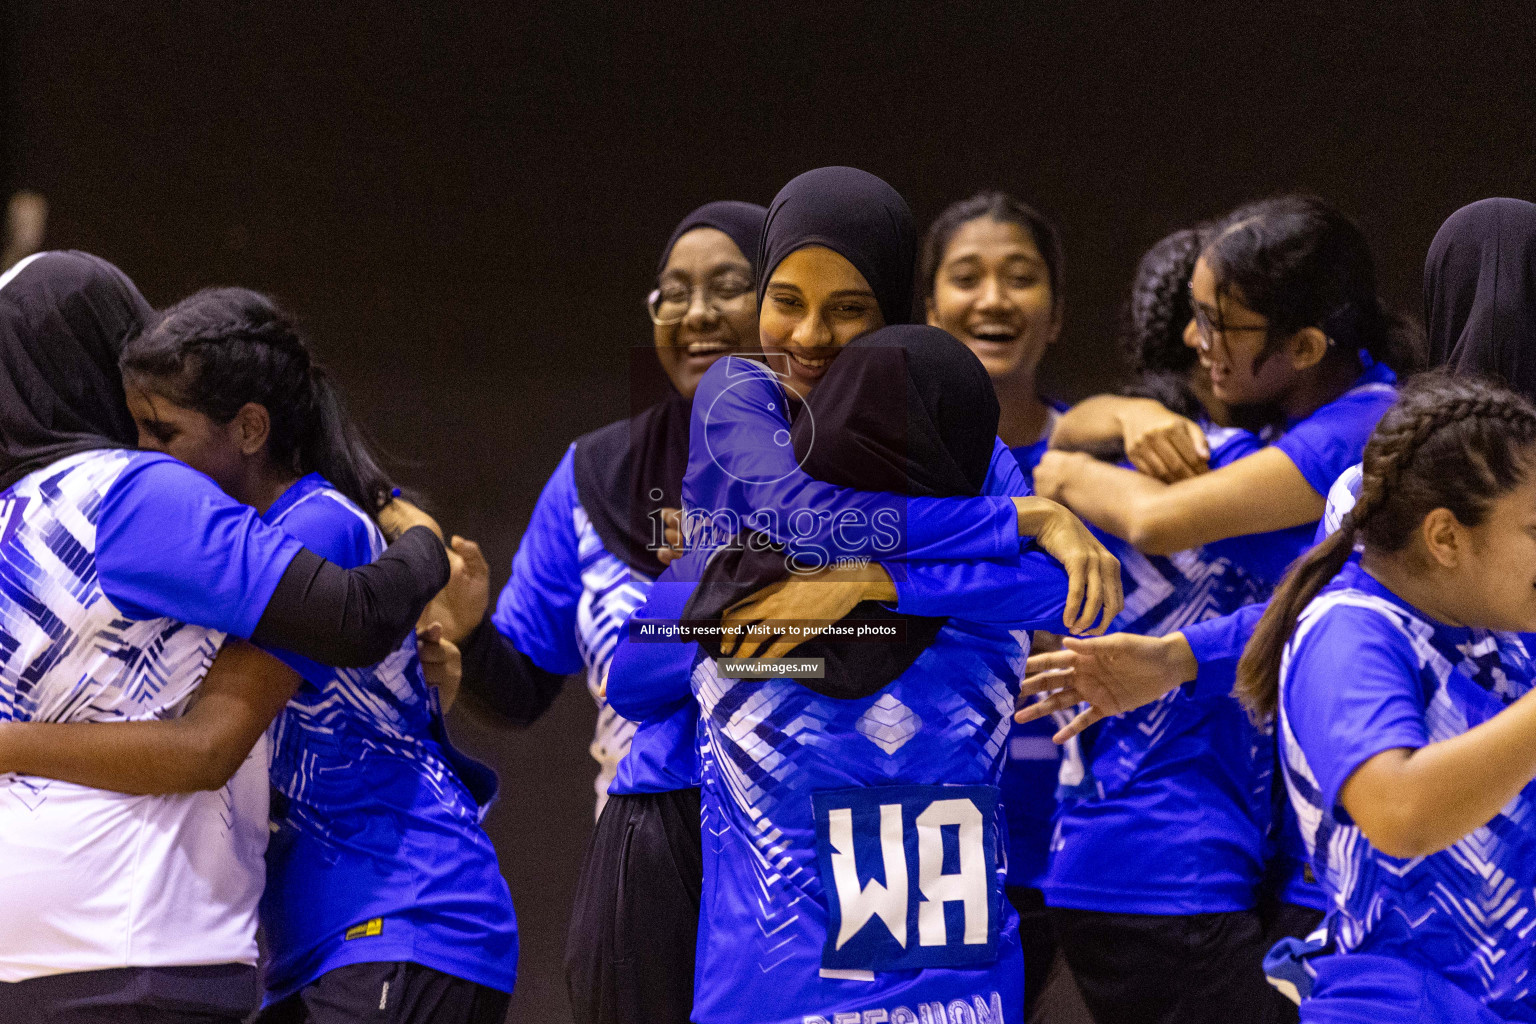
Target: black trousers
<point>389,993</point>
<point>629,954</point>
<point>1038,939</point>
<point>218,994</point>
<point>1191,969</point>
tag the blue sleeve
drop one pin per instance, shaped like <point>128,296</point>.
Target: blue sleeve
<point>171,544</point>
<point>1229,444</point>
<point>537,607</point>
<point>1029,593</point>
<point>1218,646</point>
<point>1005,478</point>
<point>1030,588</point>
<point>1342,720</point>
<point>650,679</point>
<point>1333,438</point>
<point>331,530</point>
<point>739,446</point>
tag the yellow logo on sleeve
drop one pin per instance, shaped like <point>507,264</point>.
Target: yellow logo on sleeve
<point>366,929</point>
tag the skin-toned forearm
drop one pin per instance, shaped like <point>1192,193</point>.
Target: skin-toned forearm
<point>1132,506</point>
<point>1094,424</point>
<point>243,692</point>
<point>1256,494</point>
<point>1411,803</point>
<point>141,758</point>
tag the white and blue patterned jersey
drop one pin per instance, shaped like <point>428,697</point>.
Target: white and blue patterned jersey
<point>376,815</point>
<point>1190,771</point>
<point>563,607</point>
<point>1190,774</point>
<point>1465,913</point>
<point>105,559</point>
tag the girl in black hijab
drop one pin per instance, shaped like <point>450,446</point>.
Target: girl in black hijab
<point>1480,292</point>
<point>837,262</point>
<point>615,483</point>
<point>907,410</point>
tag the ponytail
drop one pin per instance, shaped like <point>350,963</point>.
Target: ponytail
<point>1456,443</point>
<point>221,348</point>
<point>337,449</point>
<point>1258,673</point>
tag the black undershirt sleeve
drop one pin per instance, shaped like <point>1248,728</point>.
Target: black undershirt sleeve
<point>503,679</point>
<point>352,618</point>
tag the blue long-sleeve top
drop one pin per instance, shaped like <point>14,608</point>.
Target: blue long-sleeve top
<point>741,464</point>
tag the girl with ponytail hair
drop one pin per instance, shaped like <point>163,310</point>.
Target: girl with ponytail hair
<point>383,892</point>
<point>1393,656</point>
<point>225,349</point>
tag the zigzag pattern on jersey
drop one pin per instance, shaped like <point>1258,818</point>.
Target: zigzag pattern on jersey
<point>769,743</point>
<point>1163,595</point>
<point>354,718</point>
<point>1470,909</point>
<point>66,654</point>
<point>610,593</point>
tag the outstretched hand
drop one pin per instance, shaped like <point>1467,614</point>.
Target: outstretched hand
<point>1112,674</point>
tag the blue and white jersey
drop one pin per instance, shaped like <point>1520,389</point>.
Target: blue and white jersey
<point>1464,914</point>
<point>563,607</point>
<point>854,850</point>
<point>1189,773</point>
<point>105,557</point>
<point>1189,777</point>
<point>377,852</point>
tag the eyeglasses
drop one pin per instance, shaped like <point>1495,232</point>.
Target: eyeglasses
<point>671,302</point>
<point>1207,328</point>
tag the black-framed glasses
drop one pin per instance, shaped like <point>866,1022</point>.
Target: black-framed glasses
<point>1208,327</point>
<point>668,304</point>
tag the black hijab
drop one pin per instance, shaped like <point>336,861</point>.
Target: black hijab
<point>938,442</point>
<point>1480,292</point>
<point>857,216</point>
<point>64,317</point>
<point>628,470</point>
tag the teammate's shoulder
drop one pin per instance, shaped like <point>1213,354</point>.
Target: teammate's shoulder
<point>728,372</point>
<point>156,477</point>
<point>325,521</point>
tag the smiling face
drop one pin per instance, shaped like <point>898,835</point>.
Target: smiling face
<point>709,281</point>
<point>1230,338</point>
<point>993,292</point>
<point>815,303</point>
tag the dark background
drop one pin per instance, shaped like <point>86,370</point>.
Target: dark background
<point>465,206</point>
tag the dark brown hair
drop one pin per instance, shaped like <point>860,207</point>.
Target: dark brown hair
<point>1457,443</point>
<point>223,347</point>
<point>1004,209</point>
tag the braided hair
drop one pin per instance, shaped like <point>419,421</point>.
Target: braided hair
<point>1153,320</point>
<point>223,347</point>
<point>1456,443</point>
